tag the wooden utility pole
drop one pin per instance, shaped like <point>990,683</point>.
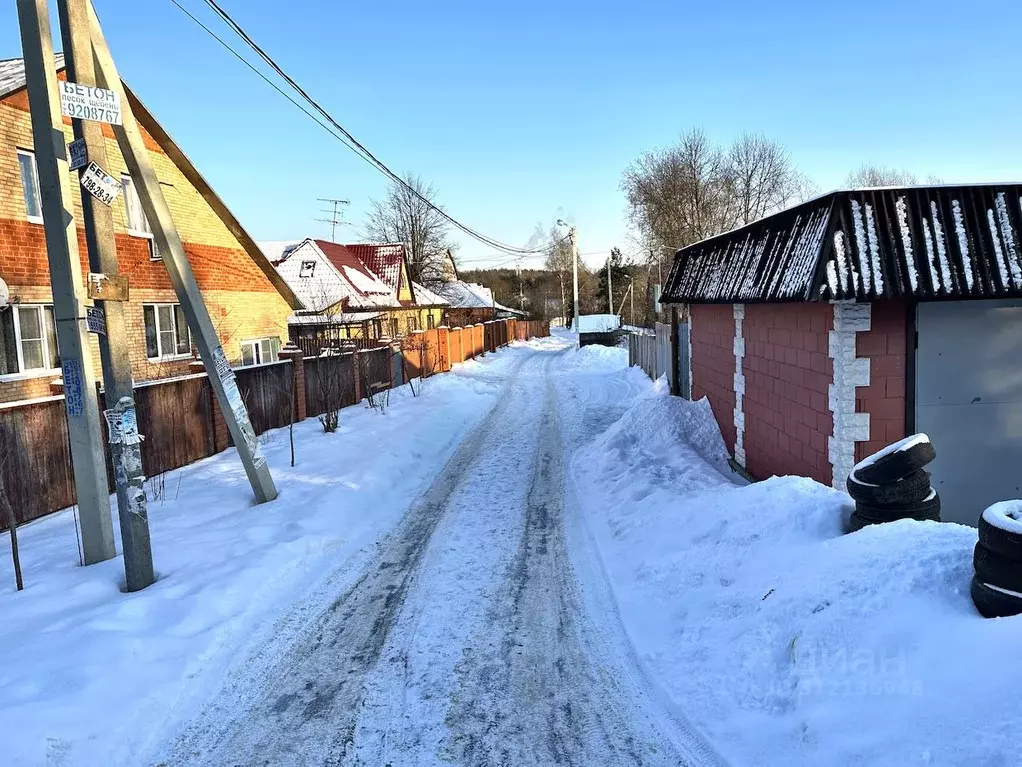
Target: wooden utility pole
<point>114,346</point>
<point>221,376</point>
<point>81,402</point>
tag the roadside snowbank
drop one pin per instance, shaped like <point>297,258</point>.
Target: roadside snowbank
<point>94,676</point>
<point>785,641</point>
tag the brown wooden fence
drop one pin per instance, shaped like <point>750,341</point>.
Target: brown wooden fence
<point>181,421</point>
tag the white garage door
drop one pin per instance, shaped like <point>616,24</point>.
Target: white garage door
<point>969,400</point>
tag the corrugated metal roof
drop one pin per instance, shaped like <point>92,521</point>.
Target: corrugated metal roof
<point>12,73</point>
<point>383,260</point>
<point>925,241</point>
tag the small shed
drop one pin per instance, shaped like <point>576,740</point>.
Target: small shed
<point>828,330</point>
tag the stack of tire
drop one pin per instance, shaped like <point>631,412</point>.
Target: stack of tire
<point>997,559</point>
<point>893,484</point>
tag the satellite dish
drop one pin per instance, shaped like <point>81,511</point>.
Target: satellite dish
<point>5,294</point>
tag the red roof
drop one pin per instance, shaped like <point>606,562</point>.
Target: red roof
<point>342,257</point>
<point>383,260</point>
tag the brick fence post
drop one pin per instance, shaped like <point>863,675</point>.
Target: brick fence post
<point>443,337</point>
<point>297,358</point>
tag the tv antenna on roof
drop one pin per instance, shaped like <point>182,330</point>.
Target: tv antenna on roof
<point>335,219</point>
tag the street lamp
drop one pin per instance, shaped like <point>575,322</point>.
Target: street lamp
<point>573,236</point>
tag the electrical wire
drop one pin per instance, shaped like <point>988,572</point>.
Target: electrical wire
<point>342,134</point>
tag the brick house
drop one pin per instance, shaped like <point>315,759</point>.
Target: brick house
<point>246,298</point>
<point>826,331</point>
<point>360,291</point>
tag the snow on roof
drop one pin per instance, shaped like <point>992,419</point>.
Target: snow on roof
<point>12,73</point>
<point>464,295</point>
<point>383,260</point>
<point>336,276</point>
<point>343,318</point>
<point>426,297</point>
<point>598,323</point>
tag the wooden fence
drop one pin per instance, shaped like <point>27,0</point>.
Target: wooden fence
<point>180,417</point>
<point>651,350</point>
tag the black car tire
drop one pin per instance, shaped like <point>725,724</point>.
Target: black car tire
<point>992,603</point>
<point>894,466</point>
<point>1003,542</point>
<point>907,492</point>
<point>927,509</point>
<point>991,567</point>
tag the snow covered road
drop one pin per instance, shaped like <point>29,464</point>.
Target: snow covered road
<point>466,638</point>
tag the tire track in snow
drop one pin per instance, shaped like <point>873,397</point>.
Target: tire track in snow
<point>307,708</point>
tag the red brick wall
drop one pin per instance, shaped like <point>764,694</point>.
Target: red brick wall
<point>788,372</point>
<point>23,261</point>
<point>713,363</point>
<point>884,399</point>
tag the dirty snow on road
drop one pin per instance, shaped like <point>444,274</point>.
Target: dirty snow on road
<point>466,638</point>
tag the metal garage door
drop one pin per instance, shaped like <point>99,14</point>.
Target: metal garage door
<point>969,400</point>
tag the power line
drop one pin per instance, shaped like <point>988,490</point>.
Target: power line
<point>345,137</point>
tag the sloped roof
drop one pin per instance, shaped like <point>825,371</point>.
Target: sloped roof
<point>426,297</point>
<point>383,260</point>
<point>12,73</point>
<point>346,282</point>
<point>464,295</point>
<point>922,241</point>
<point>12,79</point>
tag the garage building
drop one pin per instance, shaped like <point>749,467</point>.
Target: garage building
<point>828,330</point>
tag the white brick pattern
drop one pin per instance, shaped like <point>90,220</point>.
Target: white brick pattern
<point>849,372</point>
<point>739,385</point>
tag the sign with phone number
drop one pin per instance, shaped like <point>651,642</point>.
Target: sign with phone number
<point>85,102</point>
<point>100,184</point>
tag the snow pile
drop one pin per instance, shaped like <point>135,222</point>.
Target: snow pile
<point>596,359</point>
<point>785,641</point>
<point>598,323</point>
<point>100,675</point>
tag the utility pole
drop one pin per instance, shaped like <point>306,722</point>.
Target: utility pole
<point>114,345</point>
<point>610,285</point>
<point>222,378</point>
<point>573,237</point>
<point>80,399</point>
<point>335,219</point>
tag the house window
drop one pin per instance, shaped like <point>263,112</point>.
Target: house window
<point>308,269</point>
<point>30,186</point>
<point>166,331</point>
<point>393,327</point>
<point>430,321</point>
<point>259,350</point>
<point>138,224</point>
<point>413,324</point>
<point>28,340</point>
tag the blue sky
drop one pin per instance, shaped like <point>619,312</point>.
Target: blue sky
<point>524,112</point>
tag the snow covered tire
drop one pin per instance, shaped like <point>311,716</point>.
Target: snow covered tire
<point>928,509</point>
<point>905,456</point>
<point>997,570</point>
<point>1004,542</point>
<point>908,491</point>
<point>992,603</point>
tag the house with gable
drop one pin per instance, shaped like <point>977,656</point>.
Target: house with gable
<point>469,302</point>
<point>352,292</point>
<point>248,301</point>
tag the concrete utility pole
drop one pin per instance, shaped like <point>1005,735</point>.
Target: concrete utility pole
<point>114,346</point>
<point>573,237</point>
<point>81,402</point>
<point>610,286</point>
<point>154,205</point>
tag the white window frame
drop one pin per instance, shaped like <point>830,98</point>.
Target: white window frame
<point>307,268</point>
<point>22,374</point>
<point>35,174</point>
<point>132,202</point>
<point>257,355</point>
<point>160,356</point>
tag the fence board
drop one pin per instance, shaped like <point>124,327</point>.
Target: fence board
<point>329,383</point>
<point>265,389</point>
<point>36,459</point>
<point>176,419</point>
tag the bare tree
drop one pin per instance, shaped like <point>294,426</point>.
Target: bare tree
<point>694,189</point>
<point>403,216</point>
<point>876,175</point>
